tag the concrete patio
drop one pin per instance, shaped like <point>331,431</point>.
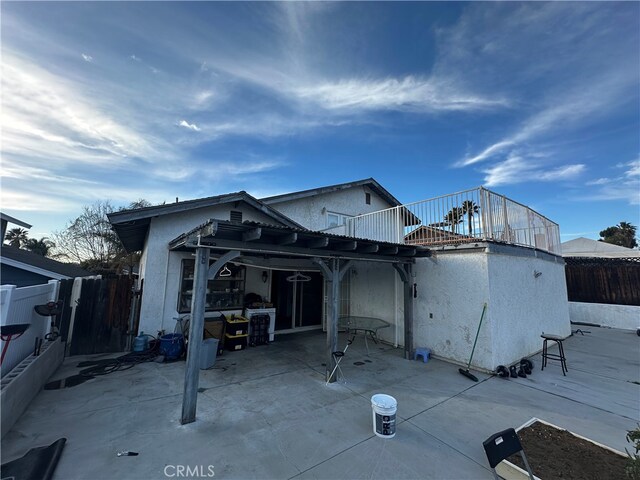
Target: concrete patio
<point>266,413</point>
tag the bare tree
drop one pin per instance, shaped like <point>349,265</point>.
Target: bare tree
<point>90,241</point>
<point>88,238</point>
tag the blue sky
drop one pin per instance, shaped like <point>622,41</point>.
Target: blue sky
<point>121,101</point>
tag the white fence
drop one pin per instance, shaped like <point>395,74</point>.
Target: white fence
<point>463,217</point>
<point>16,307</point>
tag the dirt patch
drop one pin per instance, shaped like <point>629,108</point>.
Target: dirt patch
<point>555,453</point>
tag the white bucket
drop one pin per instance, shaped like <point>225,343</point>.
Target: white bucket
<point>384,415</point>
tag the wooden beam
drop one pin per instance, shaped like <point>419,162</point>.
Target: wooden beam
<point>345,268</point>
<point>388,250</point>
<point>404,271</point>
<point>209,230</point>
<point>288,239</point>
<point>195,238</point>
<point>407,252</point>
<point>196,325</point>
<point>332,321</point>
<point>251,235</point>
<point>326,271</point>
<point>408,311</point>
<point>260,248</point>
<point>318,242</point>
<point>220,262</point>
<point>401,272</point>
<point>347,246</point>
<point>369,248</point>
<point>201,273</point>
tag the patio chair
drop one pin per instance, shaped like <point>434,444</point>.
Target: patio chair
<point>502,445</point>
<point>337,358</point>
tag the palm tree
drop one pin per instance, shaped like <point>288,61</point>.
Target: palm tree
<point>453,218</point>
<point>17,237</point>
<point>40,247</point>
<point>470,208</point>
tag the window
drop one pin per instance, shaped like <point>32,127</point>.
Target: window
<point>336,219</point>
<point>223,292</point>
<point>235,216</point>
<point>367,198</point>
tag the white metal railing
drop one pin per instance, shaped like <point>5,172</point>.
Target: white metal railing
<point>16,306</point>
<point>463,217</point>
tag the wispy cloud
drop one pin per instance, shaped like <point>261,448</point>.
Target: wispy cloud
<point>569,113</point>
<point>190,126</point>
<point>487,153</point>
<point>599,181</point>
<point>45,116</point>
<point>633,169</point>
<point>269,126</point>
<point>517,169</point>
<point>220,170</point>
<point>87,58</point>
<point>582,79</point>
<point>624,186</point>
<point>135,58</point>
<point>408,93</point>
<point>27,201</point>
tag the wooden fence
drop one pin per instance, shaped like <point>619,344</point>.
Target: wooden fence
<point>99,320</point>
<point>603,280</point>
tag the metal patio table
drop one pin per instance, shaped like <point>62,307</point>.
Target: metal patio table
<point>369,326</point>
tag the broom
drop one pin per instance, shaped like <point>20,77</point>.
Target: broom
<point>466,372</point>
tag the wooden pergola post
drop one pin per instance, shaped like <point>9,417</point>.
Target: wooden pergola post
<point>334,275</point>
<point>404,271</point>
<point>201,275</point>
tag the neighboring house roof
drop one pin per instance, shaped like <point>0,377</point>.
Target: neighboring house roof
<point>131,226</point>
<point>9,219</point>
<point>368,182</point>
<point>429,235</point>
<point>34,263</point>
<point>585,247</point>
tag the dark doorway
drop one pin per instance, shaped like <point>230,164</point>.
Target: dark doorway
<point>303,296</point>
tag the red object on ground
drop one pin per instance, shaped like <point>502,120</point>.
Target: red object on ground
<point>10,332</point>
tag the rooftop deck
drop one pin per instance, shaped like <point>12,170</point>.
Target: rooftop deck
<point>464,217</point>
<point>266,413</point>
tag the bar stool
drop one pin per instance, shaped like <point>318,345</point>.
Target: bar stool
<point>554,356</point>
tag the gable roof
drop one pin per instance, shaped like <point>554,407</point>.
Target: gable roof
<point>367,182</point>
<point>35,263</point>
<point>585,247</point>
<point>131,226</point>
<point>432,235</point>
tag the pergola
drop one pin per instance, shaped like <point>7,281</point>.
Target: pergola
<point>259,243</point>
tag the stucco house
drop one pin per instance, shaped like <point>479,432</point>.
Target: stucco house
<point>364,254</point>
